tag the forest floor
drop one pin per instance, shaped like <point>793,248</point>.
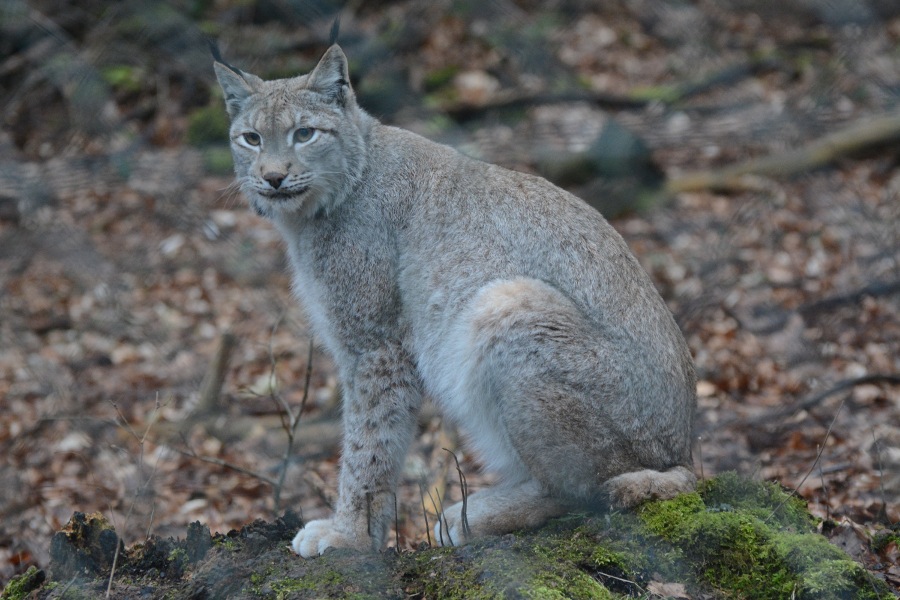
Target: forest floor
<point>126,256</point>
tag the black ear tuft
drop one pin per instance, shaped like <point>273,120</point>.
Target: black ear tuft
<point>335,29</point>
<point>214,50</point>
<point>217,55</point>
<point>236,84</point>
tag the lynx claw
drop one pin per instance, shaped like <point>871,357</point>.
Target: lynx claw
<point>320,535</point>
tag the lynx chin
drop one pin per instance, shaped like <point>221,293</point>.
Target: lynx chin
<point>510,302</point>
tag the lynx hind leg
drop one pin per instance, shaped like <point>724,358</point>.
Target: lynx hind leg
<point>495,511</point>
<point>630,489</point>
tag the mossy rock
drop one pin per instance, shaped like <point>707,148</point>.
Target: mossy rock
<point>731,539</point>
<point>21,586</point>
<point>754,540</point>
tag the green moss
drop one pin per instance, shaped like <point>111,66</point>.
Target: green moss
<point>661,93</point>
<point>662,517</point>
<point>767,501</point>
<point>126,78</point>
<point>753,540</point>
<point>884,539</point>
<point>178,562</point>
<point>440,77</point>
<point>225,542</point>
<point>208,125</point>
<point>572,585</point>
<point>22,585</point>
<point>319,583</point>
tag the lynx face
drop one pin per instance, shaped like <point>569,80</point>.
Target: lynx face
<point>297,143</point>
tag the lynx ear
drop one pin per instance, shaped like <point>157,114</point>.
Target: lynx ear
<point>331,76</point>
<point>236,84</point>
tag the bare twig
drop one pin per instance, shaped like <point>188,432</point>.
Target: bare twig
<point>876,446</point>
<point>815,462</point>
<point>62,593</point>
<point>396,523</point>
<point>443,520</point>
<point>628,581</point>
<point>700,452</point>
<point>635,100</point>
<point>315,481</point>
<point>293,421</point>
<point>425,513</point>
<point>228,465</point>
<point>872,290</point>
<point>138,492</point>
<point>464,486</point>
<point>211,388</point>
<point>825,492</point>
<point>815,399</point>
<point>440,520</point>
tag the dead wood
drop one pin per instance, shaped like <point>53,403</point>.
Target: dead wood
<point>637,99</point>
<point>859,136</point>
<point>781,414</point>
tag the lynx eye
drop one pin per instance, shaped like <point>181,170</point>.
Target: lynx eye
<point>252,138</point>
<point>304,134</point>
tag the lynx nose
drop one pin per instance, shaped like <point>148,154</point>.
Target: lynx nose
<point>274,179</point>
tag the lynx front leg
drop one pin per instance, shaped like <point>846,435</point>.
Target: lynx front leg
<point>381,401</point>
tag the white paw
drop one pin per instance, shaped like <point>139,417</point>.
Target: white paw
<point>448,531</point>
<point>320,535</point>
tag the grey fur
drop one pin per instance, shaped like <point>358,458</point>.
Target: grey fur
<point>517,307</point>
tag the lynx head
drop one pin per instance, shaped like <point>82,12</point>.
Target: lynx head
<point>299,143</point>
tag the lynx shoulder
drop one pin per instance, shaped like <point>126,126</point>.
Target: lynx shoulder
<point>510,302</point>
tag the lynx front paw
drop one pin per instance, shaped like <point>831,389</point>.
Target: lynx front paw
<point>318,536</point>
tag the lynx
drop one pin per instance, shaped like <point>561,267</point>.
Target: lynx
<point>510,302</point>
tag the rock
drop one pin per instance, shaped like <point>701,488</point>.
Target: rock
<point>732,538</point>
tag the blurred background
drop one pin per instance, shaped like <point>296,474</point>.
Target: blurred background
<point>155,368</point>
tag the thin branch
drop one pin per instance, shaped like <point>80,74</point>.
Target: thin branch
<point>228,465</point>
<point>883,512</point>
<point>815,399</point>
<point>637,99</point>
<point>396,523</point>
<point>214,379</point>
<point>464,486</point>
<point>849,140</point>
<point>873,290</point>
<point>700,453</point>
<point>425,513</point>
<point>628,581</point>
<point>293,422</point>
<point>815,462</point>
<point>141,441</point>
<point>440,519</point>
<point>444,519</point>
